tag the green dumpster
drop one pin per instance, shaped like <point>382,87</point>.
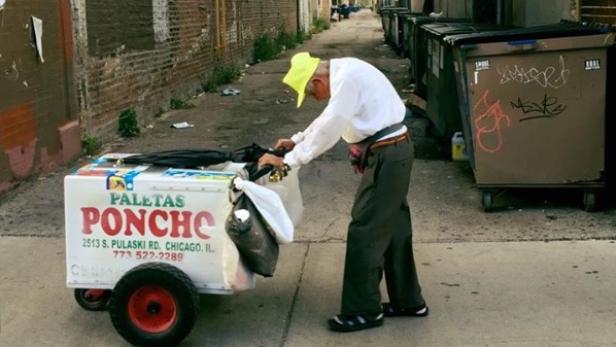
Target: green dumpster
<point>405,31</point>
<point>392,30</point>
<point>399,17</point>
<point>442,98</point>
<point>533,107</point>
<point>385,21</point>
<point>418,49</point>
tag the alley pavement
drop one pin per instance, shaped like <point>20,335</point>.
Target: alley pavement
<point>537,272</point>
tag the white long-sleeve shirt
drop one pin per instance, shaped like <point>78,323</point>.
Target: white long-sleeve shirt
<point>362,102</point>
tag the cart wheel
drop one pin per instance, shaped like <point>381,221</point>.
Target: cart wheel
<point>154,304</point>
<point>92,299</point>
<point>487,200</point>
<point>590,201</point>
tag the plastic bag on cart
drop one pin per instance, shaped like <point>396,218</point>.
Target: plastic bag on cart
<point>289,192</point>
<point>257,246</point>
<point>197,158</point>
<point>271,208</point>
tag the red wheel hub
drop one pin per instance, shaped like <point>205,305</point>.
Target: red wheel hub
<point>152,309</point>
<point>94,294</point>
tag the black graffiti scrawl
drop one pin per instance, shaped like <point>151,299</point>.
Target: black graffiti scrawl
<point>548,107</point>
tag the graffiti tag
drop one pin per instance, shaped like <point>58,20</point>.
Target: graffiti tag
<point>547,108</point>
<point>551,76</point>
<point>488,122</point>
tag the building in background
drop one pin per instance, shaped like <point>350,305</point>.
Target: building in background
<point>96,59</point>
<point>39,128</point>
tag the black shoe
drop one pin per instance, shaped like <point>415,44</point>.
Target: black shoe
<point>348,323</point>
<point>419,311</point>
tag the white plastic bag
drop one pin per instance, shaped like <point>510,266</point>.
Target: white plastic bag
<point>290,194</point>
<point>271,208</point>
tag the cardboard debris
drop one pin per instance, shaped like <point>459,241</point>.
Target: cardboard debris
<point>416,101</point>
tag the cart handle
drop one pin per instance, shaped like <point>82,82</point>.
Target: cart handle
<point>266,169</point>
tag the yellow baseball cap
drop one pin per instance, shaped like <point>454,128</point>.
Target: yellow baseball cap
<point>302,68</point>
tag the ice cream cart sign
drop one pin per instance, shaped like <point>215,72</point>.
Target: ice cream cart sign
<point>119,216</point>
<point>109,232</point>
<point>127,216</point>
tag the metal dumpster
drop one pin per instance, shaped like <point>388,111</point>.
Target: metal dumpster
<point>405,21</point>
<point>418,49</point>
<point>392,31</point>
<point>533,103</point>
<point>385,20</point>
<point>399,17</point>
<point>442,99</point>
<point>610,153</point>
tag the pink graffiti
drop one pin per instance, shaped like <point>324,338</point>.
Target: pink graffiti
<point>488,121</point>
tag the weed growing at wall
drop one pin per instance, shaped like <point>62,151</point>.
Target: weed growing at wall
<point>265,48</point>
<point>179,104</point>
<point>285,41</point>
<point>268,48</point>
<point>128,125</point>
<point>320,24</point>
<point>221,74</point>
<point>90,144</point>
<point>301,36</point>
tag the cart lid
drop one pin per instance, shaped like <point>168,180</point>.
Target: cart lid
<point>562,29</point>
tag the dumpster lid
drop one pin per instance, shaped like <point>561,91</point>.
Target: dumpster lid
<point>562,29</point>
<point>448,29</point>
<point>401,9</point>
<point>420,20</point>
<point>410,15</point>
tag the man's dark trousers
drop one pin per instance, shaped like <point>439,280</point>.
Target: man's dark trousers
<point>380,235</point>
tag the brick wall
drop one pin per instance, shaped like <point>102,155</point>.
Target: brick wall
<point>140,53</point>
<point>38,131</point>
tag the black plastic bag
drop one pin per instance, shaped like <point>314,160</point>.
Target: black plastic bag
<point>256,245</point>
<point>198,158</point>
<point>195,158</point>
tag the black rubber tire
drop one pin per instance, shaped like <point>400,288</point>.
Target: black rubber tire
<point>590,201</point>
<point>487,200</point>
<point>176,283</point>
<point>92,305</point>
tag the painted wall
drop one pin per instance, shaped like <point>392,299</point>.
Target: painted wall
<point>140,53</point>
<point>38,130</point>
<point>531,12</point>
<point>325,11</point>
<point>518,12</point>
<point>102,57</point>
<point>454,8</point>
<point>305,20</point>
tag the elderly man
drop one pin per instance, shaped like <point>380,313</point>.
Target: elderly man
<point>365,110</point>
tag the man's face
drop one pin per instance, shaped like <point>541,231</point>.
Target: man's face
<point>318,87</point>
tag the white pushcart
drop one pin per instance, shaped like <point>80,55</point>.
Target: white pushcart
<point>143,242</point>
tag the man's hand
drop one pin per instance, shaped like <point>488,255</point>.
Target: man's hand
<point>285,143</point>
<point>270,159</point>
